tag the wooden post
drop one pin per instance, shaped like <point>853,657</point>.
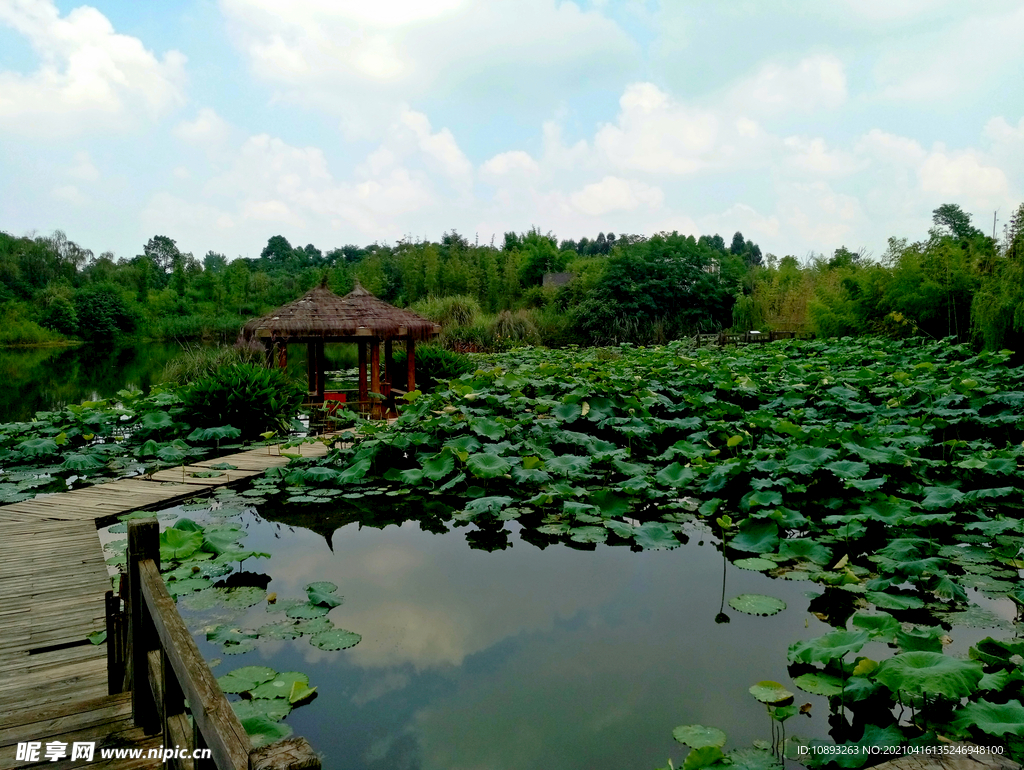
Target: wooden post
<point>143,543</point>
<point>388,353</point>
<point>282,354</point>
<point>321,370</point>
<point>375,372</point>
<point>115,651</point>
<point>362,372</point>
<point>311,366</point>
<point>410,362</point>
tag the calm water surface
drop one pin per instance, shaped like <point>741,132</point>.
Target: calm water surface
<point>522,658</point>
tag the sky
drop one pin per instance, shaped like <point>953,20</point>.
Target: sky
<point>805,125</point>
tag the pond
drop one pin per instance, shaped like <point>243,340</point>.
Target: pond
<point>521,657</point>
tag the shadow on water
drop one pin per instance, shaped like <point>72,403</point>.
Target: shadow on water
<point>43,379</point>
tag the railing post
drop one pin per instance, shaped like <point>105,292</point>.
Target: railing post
<point>289,754</point>
<point>115,643</point>
<point>143,543</point>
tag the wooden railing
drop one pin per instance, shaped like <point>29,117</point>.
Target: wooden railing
<point>163,669</point>
<point>747,338</point>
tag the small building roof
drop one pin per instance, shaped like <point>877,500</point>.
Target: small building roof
<point>320,313</point>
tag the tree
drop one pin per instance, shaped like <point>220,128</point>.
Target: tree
<point>163,252</point>
<point>738,244</point>
<point>277,253</point>
<point>950,219</point>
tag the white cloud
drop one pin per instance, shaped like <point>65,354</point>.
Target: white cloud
<point>963,176</point>
<point>89,74</point>
<point>813,157</point>
<point>69,193</point>
<point>440,148</point>
<point>208,129</point>
<point>84,168</point>
<point>505,164</point>
<point>359,60</point>
<point>815,82</point>
<point>615,194</point>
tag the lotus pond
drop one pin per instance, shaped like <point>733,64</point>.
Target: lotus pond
<point>544,598</point>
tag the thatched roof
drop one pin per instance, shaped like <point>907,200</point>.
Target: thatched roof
<point>322,313</point>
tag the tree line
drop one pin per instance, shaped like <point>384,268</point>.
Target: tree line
<point>957,282</point>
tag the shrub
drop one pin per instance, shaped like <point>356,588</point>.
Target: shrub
<point>60,316</point>
<point>517,328</point>
<point>246,396</point>
<point>457,310</point>
<point>199,361</point>
<point>103,313</point>
<point>435,364</point>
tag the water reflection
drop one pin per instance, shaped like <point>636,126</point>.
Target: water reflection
<point>42,379</point>
<point>522,657</point>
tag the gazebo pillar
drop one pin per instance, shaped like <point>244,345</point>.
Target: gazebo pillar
<point>282,354</point>
<point>363,392</point>
<point>316,363</point>
<point>375,366</point>
<point>388,352</point>
<point>410,362</point>
<point>311,367</point>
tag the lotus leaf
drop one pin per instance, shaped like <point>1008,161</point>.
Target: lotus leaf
<point>756,536</point>
<point>228,636</point>
<point>487,466</point>
<point>280,630</point>
<point>178,588</point>
<point>756,565</point>
<point>991,718</point>
<point>38,447</point>
<point>487,504</point>
<point>703,757</point>
<point>337,639</point>
<point>920,639</point>
<point>770,692</point>
<point>568,412</point>
<point>588,534</point>
<point>307,611</point>
<point>675,475</point>
<point>279,685</point>
<point>245,678</point>
<point>698,736</point>
<point>178,544</point>
<point>262,731</point>
<point>437,467</point>
<point>570,466</point>
<point>752,759</point>
<point>322,593</point>
<point>156,421</point>
<point>847,469</point>
<point>941,497</point>
<point>883,626</point>
<point>487,428</point>
<point>757,604</point>
<point>831,646</point>
<point>819,684</point>
<point>765,497</point>
<point>82,462</point>
<point>655,535</point>
<point>929,673</point>
<point>274,709</point>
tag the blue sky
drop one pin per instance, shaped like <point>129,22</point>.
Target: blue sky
<point>220,123</point>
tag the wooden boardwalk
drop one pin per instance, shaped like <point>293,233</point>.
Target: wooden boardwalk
<point>53,578</point>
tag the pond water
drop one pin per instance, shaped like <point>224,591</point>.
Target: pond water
<point>43,379</point>
<point>521,658</point>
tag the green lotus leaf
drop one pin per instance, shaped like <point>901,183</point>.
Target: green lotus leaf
<point>804,548</point>
<point>920,639</point>
<point>242,597</point>
<point>812,456</point>
<point>354,472</point>
<point>320,474</point>
<point>274,709</point>
<point>280,685</point>
<point>702,757</point>
<point>487,466</point>
<point>313,626</point>
<point>569,466</point>
<point>894,601</point>
<point>178,588</point>
<point>941,497</point>
<point>819,684</point>
<point>757,604</point>
<point>588,534</point>
<point>82,462</point>
<point>245,678</point>
<point>280,630</point>
<point>483,426</point>
<point>337,639</point>
<point>300,692</point>
<point>929,673</point>
<point>177,544</point>
<point>156,420</point>
<point>770,692</point>
<point>882,626</point>
<point>675,475</point>
<point>567,412</point>
<point>38,447</point>
<point>655,535</point>
<point>991,718</point>
<point>755,565</point>
<point>752,759</point>
<point>307,611</point>
<point>699,736</point>
<point>847,469</point>
<point>831,646</point>
<point>439,466</point>
<point>322,593</point>
<point>765,497</point>
<point>756,536</point>
<point>228,636</point>
<point>263,731</point>
<point>487,504</point>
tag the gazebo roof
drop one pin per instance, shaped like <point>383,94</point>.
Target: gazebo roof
<point>322,313</point>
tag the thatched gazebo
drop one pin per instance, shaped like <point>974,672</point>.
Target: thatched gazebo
<point>321,316</point>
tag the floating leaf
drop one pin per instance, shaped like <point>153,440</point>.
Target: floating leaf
<point>280,685</point>
<point>754,564</point>
<point>698,736</point>
<point>274,709</point>
<point>929,673</point>
<point>307,610</point>
<point>831,646</point>
<point>322,593</point>
<point>263,731</point>
<point>757,604</point>
<point>245,678</point>
<point>819,684</point>
<point>655,535</point>
<point>991,718</point>
<point>338,639</point>
<point>770,692</point>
